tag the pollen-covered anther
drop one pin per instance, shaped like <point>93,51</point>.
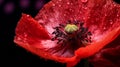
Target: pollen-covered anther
<point>70,28</point>
<point>72,32</point>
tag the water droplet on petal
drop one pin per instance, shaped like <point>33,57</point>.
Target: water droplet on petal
<point>117,15</point>
<point>64,14</point>
<point>25,34</point>
<point>85,8</point>
<point>105,15</point>
<point>28,15</point>
<point>84,1</point>
<point>60,0</point>
<point>68,3</point>
<point>18,38</point>
<point>45,54</point>
<point>114,5</point>
<point>111,22</point>
<point>59,5</point>
<point>53,4</point>
<point>104,28</point>
<point>84,18</point>
<point>88,17</point>
<point>25,37</point>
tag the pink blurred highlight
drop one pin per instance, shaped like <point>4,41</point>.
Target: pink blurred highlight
<point>1,1</point>
<point>24,3</point>
<point>9,8</point>
<point>39,4</point>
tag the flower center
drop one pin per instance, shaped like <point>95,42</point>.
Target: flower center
<point>72,33</point>
<point>70,28</point>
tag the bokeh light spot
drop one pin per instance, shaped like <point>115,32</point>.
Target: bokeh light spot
<point>9,8</point>
<point>24,3</point>
<point>39,4</point>
<point>1,1</point>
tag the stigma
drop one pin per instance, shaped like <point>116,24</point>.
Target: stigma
<point>70,28</point>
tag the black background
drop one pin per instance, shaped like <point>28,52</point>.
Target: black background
<point>11,54</point>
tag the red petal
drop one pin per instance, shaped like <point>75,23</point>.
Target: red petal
<point>56,12</point>
<point>95,47</point>
<point>31,36</point>
<point>109,56</point>
<point>98,15</point>
<point>29,33</point>
<point>104,15</point>
<point>28,27</point>
<point>90,50</point>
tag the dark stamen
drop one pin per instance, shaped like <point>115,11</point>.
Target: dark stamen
<point>81,24</point>
<point>76,22</point>
<point>82,34</point>
<point>61,25</point>
<point>69,22</point>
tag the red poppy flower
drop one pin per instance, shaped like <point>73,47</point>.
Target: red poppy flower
<point>70,30</point>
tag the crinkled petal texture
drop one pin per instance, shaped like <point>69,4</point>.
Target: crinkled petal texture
<point>109,56</point>
<point>102,17</point>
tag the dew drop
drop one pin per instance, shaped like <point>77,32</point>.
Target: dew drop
<point>60,0</point>
<point>18,38</point>
<point>105,15</point>
<point>114,5</point>
<point>25,35</point>
<point>117,15</point>
<point>28,15</point>
<point>84,1</point>
<point>64,14</point>
<point>84,18</point>
<point>105,6</point>
<point>104,28</point>
<point>45,54</point>
<point>71,4</point>
<point>85,8</point>
<point>88,17</point>
<point>53,4</point>
<point>59,5</point>
<point>68,3</point>
<point>25,40</point>
<point>111,22</point>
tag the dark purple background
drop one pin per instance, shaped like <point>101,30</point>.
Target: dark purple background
<point>10,53</point>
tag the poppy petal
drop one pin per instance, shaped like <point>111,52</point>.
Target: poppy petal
<point>108,56</point>
<point>85,52</point>
<point>59,12</point>
<point>100,14</point>
<point>95,47</point>
<point>103,16</point>
<point>33,37</point>
<point>28,27</point>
